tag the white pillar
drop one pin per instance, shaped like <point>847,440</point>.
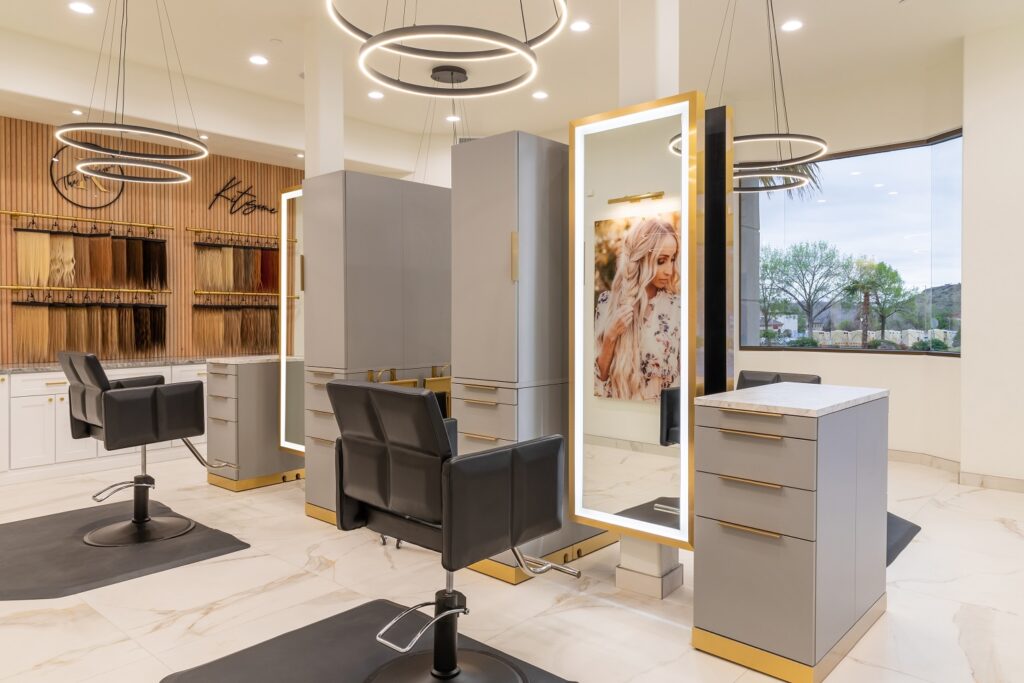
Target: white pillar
<point>648,50</point>
<point>324,97</point>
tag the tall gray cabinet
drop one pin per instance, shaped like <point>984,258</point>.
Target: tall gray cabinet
<point>378,295</point>
<point>510,232</point>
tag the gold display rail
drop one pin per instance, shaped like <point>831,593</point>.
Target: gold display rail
<point>38,288</point>
<point>201,292</point>
<point>238,234</point>
<point>56,217</point>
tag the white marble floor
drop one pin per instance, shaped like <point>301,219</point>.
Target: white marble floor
<point>956,595</point>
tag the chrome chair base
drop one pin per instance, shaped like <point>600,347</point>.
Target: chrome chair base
<point>475,667</point>
<point>121,534</point>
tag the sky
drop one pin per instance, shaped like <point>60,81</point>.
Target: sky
<point>902,207</point>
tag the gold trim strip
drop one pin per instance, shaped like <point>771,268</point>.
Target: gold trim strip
<point>254,482</point>
<point>760,413</point>
<point>750,529</point>
<point>755,435</point>
<point>57,217</point>
<point>752,482</point>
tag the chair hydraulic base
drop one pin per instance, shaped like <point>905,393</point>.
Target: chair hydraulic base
<point>141,528</point>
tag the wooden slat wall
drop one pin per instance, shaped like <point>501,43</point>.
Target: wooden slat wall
<point>26,149</point>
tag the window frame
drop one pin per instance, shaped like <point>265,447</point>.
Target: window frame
<point>865,151</point>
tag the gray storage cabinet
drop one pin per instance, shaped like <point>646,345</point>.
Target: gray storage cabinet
<point>378,295</point>
<point>790,526</point>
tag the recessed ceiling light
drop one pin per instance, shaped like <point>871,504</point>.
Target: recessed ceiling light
<point>879,184</point>
<point>792,25</point>
<point>540,95</point>
<point>259,60</point>
<point>579,26</point>
<point>81,7</point>
<point>301,155</point>
<point>856,172</point>
<point>376,95</point>
<point>452,118</point>
<point>76,112</point>
<point>204,136</point>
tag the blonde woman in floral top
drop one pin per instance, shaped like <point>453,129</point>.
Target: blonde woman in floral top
<point>636,323</point>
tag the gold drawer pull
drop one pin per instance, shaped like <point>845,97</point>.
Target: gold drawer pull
<point>737,432</point>
<point>323,441</point>
<point>481,437</point>
<point>58,383</point>
<point>760,413</point>
<point>752,482</point>
<point>490,404</point>
<point>481,387</point>
<point>750,530</point>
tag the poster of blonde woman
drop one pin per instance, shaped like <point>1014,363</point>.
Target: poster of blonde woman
<point>636,307</point>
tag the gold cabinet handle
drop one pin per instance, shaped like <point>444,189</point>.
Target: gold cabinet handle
<point>754,435</point>
<point>58,383</point>
<point>751,482</point>
<point>481,437</point>
<point>750,530</point>
<point>477,402</point>
<point>481,387</point>
<point>759,413</point>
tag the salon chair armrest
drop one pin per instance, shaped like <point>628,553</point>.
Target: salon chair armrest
<point>133,382</point>
<point>501,498</point>
<point>150,414</point>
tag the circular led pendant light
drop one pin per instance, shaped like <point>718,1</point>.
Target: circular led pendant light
<point>469,33</point>
<point>96,166</point>
<point>151,152</point>
<point>561,18</point>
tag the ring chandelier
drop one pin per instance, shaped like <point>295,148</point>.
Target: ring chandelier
<point>497,45</point>
<point>115,27</point>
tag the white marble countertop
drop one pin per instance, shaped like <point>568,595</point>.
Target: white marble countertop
<point>793,398</point>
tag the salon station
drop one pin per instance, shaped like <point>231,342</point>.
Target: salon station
<point>527,341</point>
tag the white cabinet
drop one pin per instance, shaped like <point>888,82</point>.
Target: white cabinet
<point>66,448</point>
<point>5,423</point>
<point>32,431</point>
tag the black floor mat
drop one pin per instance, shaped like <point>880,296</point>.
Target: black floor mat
<point>900,533</point>
<point>45,557</point>
<point>340,648</point>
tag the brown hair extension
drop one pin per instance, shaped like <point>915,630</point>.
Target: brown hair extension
<point>158,326</point>
<point>119,262</point>
<point>111,348</point>
<point>126,330</point>
<point>101,260</point>
<point>33,252</point>
<point>57,322</point>
<point>143,336</point>
<point>94,314</point>
<point>31,333</point>
<point>133,246</point>
<point>83,277</point>
<point>62,261</point>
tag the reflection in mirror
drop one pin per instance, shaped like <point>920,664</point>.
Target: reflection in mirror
<point>291,327</point>
<point>632,329</point>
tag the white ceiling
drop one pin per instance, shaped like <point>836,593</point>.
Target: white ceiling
<point>842,41</point>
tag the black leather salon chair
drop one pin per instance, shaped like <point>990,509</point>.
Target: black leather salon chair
<point>126,413</point>
<point>399,475</point>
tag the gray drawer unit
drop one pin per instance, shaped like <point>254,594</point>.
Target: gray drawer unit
<point>772,459</point>
<point>243,397</point>
<point>759,422</point>
<point>791,559</point>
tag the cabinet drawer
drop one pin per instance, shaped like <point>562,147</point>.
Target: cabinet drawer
<point>756,589</point>
<point>222,385</point>
<point>473,443</point>
<point>322,425</point>
<point>223,408</point>
<point>316,396</point>
<point>786,461</point>
<point>772,507</point>
<point>222,368</point>
<point>485,417</point>
<point>222,441</point>
<point>484,392</point>
<point>39,384</point>
<point>762,423</point>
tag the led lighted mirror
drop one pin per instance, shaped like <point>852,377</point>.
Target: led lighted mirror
<point>634,222</point>
<point>290,304</point>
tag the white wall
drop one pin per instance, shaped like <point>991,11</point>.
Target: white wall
<point>993,246</point>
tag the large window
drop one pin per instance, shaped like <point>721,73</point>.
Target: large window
<point>867,260</point>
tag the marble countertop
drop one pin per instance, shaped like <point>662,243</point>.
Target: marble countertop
<point>11,369</point>
<point>792,398</point>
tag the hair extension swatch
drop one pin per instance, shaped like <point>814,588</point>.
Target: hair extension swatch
<point>33,257</point>
<point>62,261</point>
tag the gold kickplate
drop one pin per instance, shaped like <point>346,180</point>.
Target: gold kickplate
<point>255,482</point>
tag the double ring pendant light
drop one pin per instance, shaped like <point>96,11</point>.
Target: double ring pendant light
<point>110,161</point>
<point>786,169</point>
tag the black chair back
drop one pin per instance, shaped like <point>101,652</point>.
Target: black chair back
<point>87,381</point>
<point>395,444</point>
